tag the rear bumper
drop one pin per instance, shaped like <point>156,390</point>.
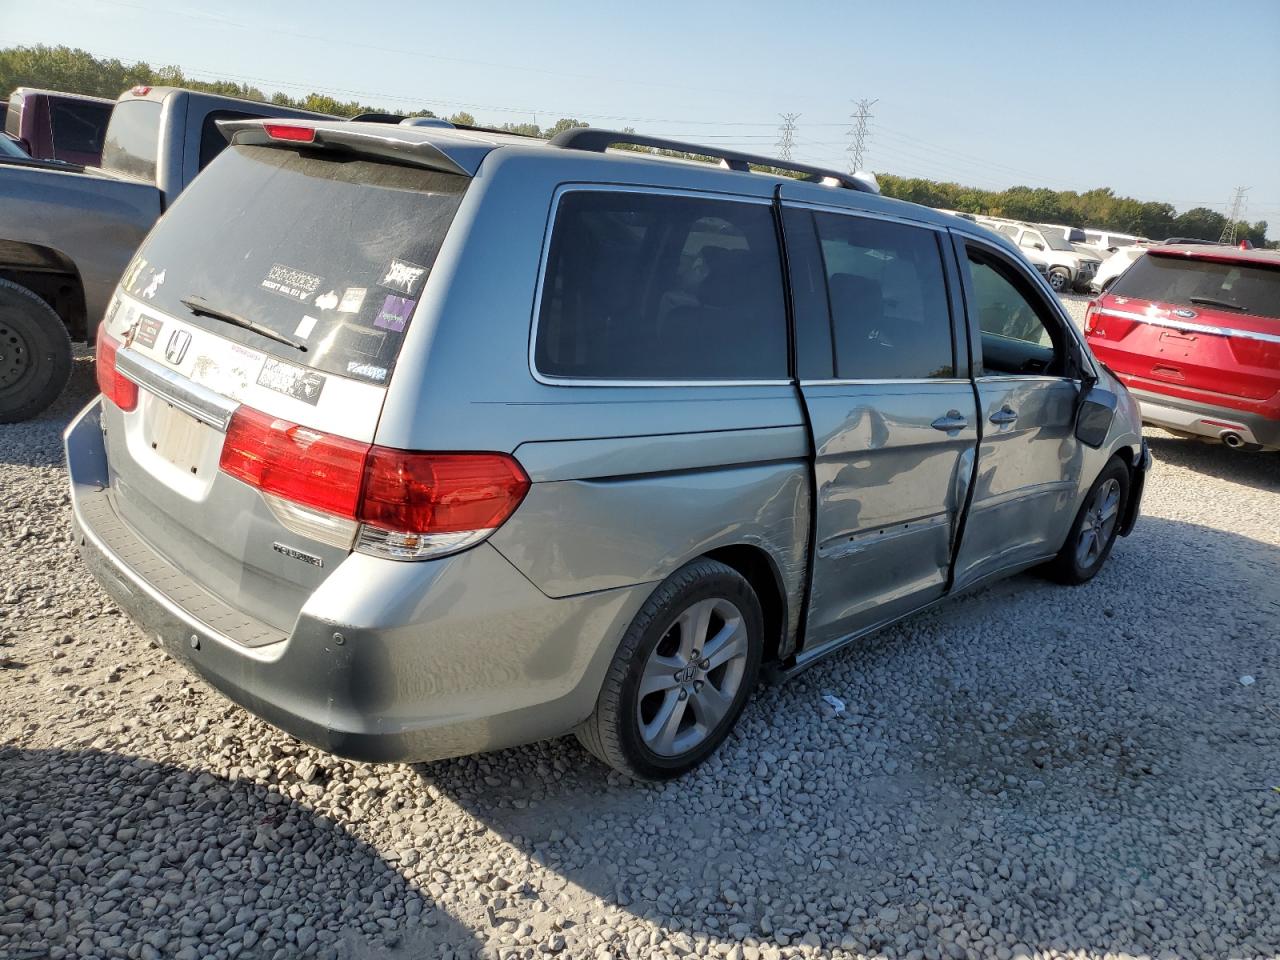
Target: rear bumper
<point>388,661</point>
<point>1207,420</point>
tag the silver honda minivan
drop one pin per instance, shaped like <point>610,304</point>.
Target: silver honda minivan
<point>420,441</point>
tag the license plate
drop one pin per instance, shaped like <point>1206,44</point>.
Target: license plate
<point>177,437</point>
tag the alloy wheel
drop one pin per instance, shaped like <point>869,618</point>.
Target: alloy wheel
<point>1099,523</point>
<point>692,677</point>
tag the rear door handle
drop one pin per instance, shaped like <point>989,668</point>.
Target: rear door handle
<point>953,420</point>
<point>1004,415</point>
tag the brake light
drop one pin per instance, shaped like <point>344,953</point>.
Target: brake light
<point>284,131</point>
<point>116,387</point>
<point>1089,313</point>
<point>140,91</point>
<point>294,462</point>
<point>408,504</point>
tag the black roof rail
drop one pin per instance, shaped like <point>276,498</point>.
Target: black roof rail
<point>597,141</point>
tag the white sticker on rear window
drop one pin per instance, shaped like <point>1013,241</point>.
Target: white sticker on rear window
<point>288,282</point>
<point>304,327</point>
<point>153,285</point>
<point>131,275</point>
<point>352,300</point>
<point>403,276</point>
<point>367,370</point>
<point>327,301</point>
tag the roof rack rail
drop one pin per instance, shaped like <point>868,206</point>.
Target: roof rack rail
<point>598,141</point>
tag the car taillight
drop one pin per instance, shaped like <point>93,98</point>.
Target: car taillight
<point>288,131</point>
<point>402,504</point>
<point>294,462</point>
<point>1089,313</point>
<point>116,387</point>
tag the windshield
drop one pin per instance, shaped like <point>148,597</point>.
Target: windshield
<point>133,139</point>
<point>1198,284</point>
<point>322,250</point>
<point>1056,239</point>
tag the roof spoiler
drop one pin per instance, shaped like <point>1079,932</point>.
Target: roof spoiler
<point>405,145</point>
<point>597,141</point>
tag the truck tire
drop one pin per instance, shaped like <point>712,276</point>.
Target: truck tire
<point>681,675</point>
<point>35,353</point>
<point>1060,279</point>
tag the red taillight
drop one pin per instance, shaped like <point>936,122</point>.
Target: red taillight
<point>140,91</point>
<point>294,462</point>
<point>1089,313</point>
<point>117,388</point>
<point>440,492</point>
<point>397,490</point>
<point>284,131</point>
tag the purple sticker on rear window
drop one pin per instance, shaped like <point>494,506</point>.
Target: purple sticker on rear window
<point>394,314</point>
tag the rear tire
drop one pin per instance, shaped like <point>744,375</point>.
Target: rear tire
<point>681,675</point>
<point>1095,529</point>
<point>35,353</point>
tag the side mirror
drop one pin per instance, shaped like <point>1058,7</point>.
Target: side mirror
<point>1038,246</point>
<point>1094,413</point>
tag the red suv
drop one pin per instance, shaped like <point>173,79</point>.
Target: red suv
<point>1194,332</point>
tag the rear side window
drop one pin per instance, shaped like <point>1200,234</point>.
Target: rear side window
<point>889,313</point>
<point>645,286</point>
<point>1210,284</point>
<point>212,142</point>
<point>79,127</point>
<point>332,252</point>
<point>133,139</point>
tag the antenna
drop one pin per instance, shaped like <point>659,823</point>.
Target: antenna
<point>858,133</point>
<point>787,134</point>
<point>1233,217</point>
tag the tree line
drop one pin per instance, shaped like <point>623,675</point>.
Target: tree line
<point>78,71</point>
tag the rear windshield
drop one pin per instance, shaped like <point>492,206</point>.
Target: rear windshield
<point>79,127</point>
<point>133,139</point>
<point>1209,284</point>
<point>330,251</point>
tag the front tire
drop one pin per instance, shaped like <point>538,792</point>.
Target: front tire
<point>1059,279</point>
<point>35,353</point>
<point>681,675</point>
<point>1095,529</point>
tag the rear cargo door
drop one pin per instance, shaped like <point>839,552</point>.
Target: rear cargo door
<point>1191,326</point>
<point>281,282</point>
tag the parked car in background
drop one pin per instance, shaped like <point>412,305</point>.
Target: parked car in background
<point>1061,232</point>
<point>1105,241</point>
<point>1066,267</point>
<point>1114,265</point>
<point>66,233</point>
<point>339,474</point>
<point>10,150</point>
<point>1195,333</point>
<point>50,125</point>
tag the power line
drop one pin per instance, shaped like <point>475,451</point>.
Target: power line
<point>1237,211</point>
<point>787,135</point>
<point>858,133</point>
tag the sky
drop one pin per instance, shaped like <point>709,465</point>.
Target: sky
<point>1171,100</point>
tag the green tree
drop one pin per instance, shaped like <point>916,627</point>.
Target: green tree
<point>463,119</point>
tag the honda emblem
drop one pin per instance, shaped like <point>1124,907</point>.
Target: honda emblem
<point>179,340</point>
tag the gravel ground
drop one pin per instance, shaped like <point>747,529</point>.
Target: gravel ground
<point>1031,770</point>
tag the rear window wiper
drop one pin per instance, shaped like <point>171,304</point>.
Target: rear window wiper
<point>1213,302</point>
<point>201,308</point>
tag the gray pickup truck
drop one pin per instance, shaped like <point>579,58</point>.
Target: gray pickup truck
<point>67,233</point>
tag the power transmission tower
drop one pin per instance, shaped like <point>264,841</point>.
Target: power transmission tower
<point>1233,217</point>
<point>787,134</point>
<point>858,133</point>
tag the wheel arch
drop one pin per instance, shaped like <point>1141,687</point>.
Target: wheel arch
<point>760,570</point>
<point>52,276</point>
